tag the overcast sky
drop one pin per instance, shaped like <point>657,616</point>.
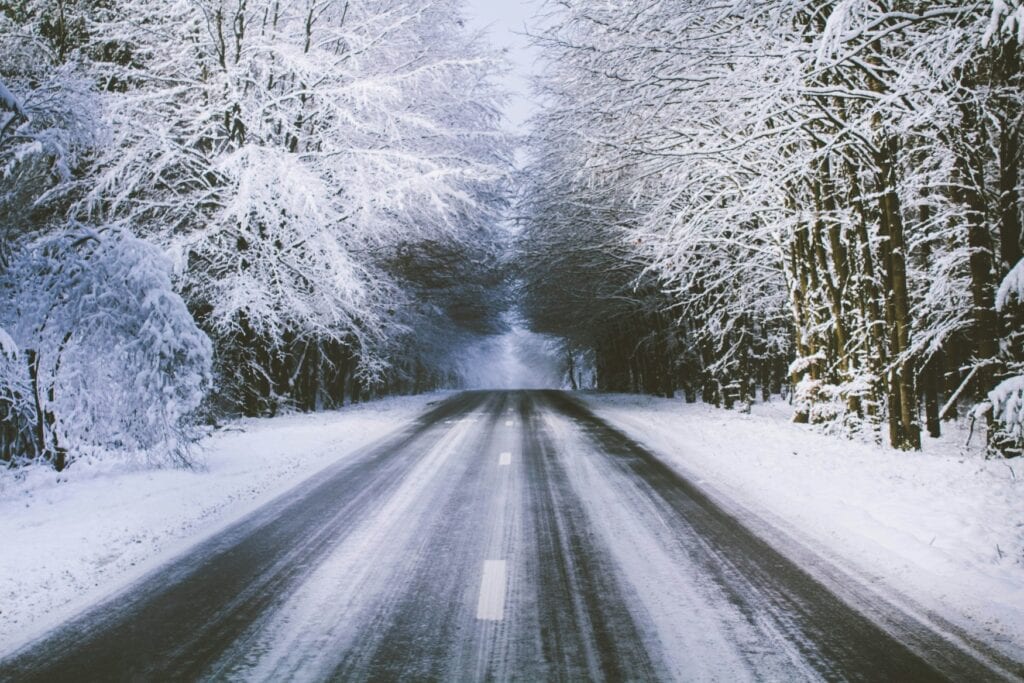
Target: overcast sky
<point>504,20</point>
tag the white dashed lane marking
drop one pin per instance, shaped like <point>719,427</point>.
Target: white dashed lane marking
<point>491,605</point>
<point>505,458</point>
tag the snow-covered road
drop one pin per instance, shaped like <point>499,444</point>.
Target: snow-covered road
<point>502,535</point>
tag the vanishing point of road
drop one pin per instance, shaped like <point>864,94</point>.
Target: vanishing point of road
<point>502,536</point>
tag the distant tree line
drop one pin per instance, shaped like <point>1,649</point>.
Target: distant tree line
<point>729,198</point>
<point>214,207</point>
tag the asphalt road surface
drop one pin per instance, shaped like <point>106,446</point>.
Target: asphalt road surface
<point>504,535</point>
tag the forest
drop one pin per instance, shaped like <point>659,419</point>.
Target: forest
<point>222,207</point>
<point>212,208</point>
<point>814,198</point>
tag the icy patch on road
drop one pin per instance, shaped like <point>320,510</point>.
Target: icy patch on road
<point>943,527</point>
<point>71,538</point>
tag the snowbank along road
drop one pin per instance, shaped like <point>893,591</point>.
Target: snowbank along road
<point>502,535</point>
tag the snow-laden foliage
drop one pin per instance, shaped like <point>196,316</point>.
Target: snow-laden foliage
<point>264,138</point>
<point>8,349</point>
<point>50,114</point>
<point>1007,398</point>
<point>278,267</point>
<point>327,178</point>
<point>109,356</point>
<point>45,136</point>
<point>17,412</point>
<point>837,182</point>
<point>289,154</point>
<point>11,103</point>
<point>1011,289</point>
<point>1007,18</point>
<point>1007,401</point>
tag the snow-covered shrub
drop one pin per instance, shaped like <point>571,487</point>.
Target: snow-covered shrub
<point>837,408</point>
<point>108,352</point>
<point>1007,401</point>
<point>1011,290</point>
<point>817,402</point>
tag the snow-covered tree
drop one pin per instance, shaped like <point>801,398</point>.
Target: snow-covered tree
<point>49,126</point>
<point>308,167</point>
<point>851,166</point>
<point>286,153</point>
<point>107,355</point>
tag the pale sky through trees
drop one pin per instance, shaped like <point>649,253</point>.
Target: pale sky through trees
<point>518,358</point>
<point>505,22</point>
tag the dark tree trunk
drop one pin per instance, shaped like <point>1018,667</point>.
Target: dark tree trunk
<point>931,377</point>
<point>985,327</point>
<point>907,431</point>
<point>32,357</point>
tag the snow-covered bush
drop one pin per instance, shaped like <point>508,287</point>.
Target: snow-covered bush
<point>1007,401</point>
<point>108,356</point>
<point>1011,291</point>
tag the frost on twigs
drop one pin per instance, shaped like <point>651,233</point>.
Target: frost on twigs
<point>1007,19</point>
<point>110,358</point>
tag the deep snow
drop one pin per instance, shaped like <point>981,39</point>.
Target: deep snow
<point>939,531</point>
<point>69,539</point>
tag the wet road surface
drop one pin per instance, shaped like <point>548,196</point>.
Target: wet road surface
<point>503,536</point>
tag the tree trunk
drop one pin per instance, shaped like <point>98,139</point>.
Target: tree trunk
<point>908,432</point>
<point>930,379</point>
<point>985,327</point>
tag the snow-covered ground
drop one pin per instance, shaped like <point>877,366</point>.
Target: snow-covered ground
<point>66,540</point>
<point>942,529</point>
